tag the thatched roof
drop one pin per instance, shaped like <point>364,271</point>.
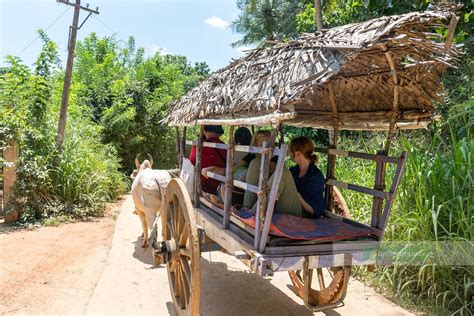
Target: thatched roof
<point>344,76</point>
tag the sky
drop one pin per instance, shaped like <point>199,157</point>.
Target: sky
<point>197,29</point>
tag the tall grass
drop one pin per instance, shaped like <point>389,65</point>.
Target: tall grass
<point>434,203</point>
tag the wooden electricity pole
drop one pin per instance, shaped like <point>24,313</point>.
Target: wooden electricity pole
<point>318,15</point>
<point>67,77</point>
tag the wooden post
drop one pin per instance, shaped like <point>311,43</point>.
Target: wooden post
<point>183,141</point>
<point>178,148</point>
<point>273,197</point>
<point>68,75</point>
<point>10,156</point>
<point>197,168</point>
<point>282,135</point>
<point>379,185</point>
<point>331,160</point>
<point>229,178</point>
<point>393,189</point>
<point>263,187</point>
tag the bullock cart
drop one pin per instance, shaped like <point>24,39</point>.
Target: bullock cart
<point>380,75</point>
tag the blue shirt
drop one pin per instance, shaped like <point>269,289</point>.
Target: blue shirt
<point>311,187</point>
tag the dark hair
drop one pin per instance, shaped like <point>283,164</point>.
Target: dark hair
<point>214,129</point>
<point>243,136</point>
<point>305,146</point>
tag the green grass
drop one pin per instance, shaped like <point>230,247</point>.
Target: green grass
<point>434,203</point>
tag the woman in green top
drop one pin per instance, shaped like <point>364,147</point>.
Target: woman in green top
<point>287,198</point>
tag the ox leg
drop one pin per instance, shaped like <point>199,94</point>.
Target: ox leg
<point>143,219</point>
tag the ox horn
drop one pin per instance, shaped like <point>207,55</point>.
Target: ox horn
<point>151,160</point>
<point>137,162</point>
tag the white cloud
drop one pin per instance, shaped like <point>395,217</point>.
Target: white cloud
<point>158,49</point>
<point>215,21</point>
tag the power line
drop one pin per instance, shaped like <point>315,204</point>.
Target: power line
<point>109,28</point>
<point>49,26</point>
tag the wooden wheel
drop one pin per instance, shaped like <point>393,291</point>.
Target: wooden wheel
<point>181,249</point>
<point>325,296</point>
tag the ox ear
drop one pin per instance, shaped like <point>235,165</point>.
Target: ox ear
<point>151,160</point>
<point>137,162</point>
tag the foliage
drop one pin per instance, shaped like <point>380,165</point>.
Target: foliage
<point>117,101</point>
<point>127,95</point>
<point>266,20</point>
<point>88,174</point>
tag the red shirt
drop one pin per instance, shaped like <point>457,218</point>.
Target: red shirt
<point>210,157</point>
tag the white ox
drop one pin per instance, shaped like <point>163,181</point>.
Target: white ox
<point>147,193</point>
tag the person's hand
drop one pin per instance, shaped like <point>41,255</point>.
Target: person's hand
<point>205,170</point>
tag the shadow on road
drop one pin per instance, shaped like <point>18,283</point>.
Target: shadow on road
<point>226,291</point>
<point>145,255</point>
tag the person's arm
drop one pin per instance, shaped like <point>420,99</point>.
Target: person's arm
<point>306,207</point>
<point>192,155</point>
<point>213,169</point>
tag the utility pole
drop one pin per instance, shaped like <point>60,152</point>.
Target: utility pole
<point>318,15</point>
<point>67,77</point>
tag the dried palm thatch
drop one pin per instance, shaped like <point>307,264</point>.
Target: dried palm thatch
<point>380,74</point>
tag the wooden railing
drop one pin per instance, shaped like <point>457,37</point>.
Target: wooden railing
<point>264,213</point>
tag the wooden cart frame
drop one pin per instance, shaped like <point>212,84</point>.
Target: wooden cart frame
<point>190,224</point>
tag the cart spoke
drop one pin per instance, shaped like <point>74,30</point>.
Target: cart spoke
<point>173,266</point>
<point>185,286</point>
<point>172,283</point>
<point>185,252</point>
<point>180,220</point>
<point>179,286</point>
<point>170,233</point>
<point>183,237</point>
<point>320,278</point>
<point>186,269</point>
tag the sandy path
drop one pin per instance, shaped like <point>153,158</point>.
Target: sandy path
<point>69,270</point>
<point>53,269</point>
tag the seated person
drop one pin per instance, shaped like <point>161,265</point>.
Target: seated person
<point>242,136</point>
<point>210,156</point>
<point>308,178</point>
<point>288,201</point>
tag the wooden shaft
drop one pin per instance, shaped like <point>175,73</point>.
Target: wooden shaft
<point>393,119</point>
<point>179,150</point>
<point>377,202</point>
<point>331,159</point>
<point>229,176</point>
<point>263,187</point>
<point>380,156</point>
<point>197,169</point>
<point>358,188</point>
<point>183,141</point>
<point>393,190</point>
<point>273,197</point>
<point>282,135</point>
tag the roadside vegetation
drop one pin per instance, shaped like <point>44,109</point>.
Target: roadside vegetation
<point>117,100</point>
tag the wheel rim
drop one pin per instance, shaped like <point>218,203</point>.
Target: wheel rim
<point>325,295</point>
<point>180,234</point>
<point>335,291</point>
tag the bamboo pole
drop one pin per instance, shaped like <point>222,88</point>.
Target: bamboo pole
<point>178,148</point>
<point>197,168</point>
<point>229,178</point>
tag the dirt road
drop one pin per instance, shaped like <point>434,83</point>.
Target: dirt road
<point>90,268</point>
